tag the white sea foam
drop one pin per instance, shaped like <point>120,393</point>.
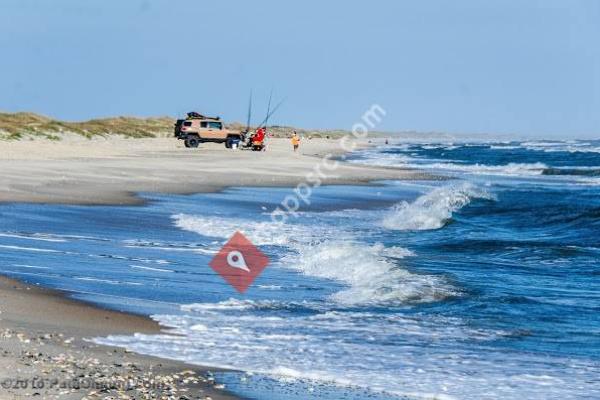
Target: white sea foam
<point>370,274</point>
<point>35,236</point>
<point>30,266</point>
<point>131,259</point>
<point>588,181</point>
<point>569,146</point>
<point>359,349</point>
<point>397,252</point>
<point>504,147</point>
<point>22,248</point>
<point>168,246</point>
<point>270,287</point>
<point>400,160</point>
<point>108,281</point>
<point>374,157</point>
<point>260,233</point>
<point>510,169</point>
<point>229,305</point>
<point>434,209</point>
<point>151,269</point>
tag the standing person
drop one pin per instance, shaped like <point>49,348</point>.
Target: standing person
<point>295,141</point>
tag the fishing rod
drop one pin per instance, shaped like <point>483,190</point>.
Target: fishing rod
<point>249,113</point>
<point>263,123</point>
<point>268,108</point>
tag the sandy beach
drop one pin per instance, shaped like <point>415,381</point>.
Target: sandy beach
<point>112,170</point>
<point>47,353</point>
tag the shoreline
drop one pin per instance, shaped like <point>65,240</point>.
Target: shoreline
<point>45,338</point>
<point>112,171</point>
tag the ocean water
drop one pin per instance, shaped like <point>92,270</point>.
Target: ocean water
<point>483,286</point>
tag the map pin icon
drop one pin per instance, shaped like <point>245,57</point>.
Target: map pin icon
<point>235,259</point>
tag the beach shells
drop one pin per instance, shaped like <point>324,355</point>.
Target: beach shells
<point>68,371</point>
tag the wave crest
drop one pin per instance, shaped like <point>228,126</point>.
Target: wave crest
<point>434,209</point>
<point>370,276</point>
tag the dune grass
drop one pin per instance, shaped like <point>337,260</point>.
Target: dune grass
<point>15,126</point>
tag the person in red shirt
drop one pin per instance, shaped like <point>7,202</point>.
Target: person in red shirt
<point>259,136</point>
<point>258,139</point>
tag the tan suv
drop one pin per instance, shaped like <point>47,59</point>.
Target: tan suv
<point>197,128</point>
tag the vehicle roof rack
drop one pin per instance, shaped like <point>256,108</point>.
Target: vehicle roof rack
<point>195,115</point>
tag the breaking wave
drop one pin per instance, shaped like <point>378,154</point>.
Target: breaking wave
<point>261,233</point>
<point>564,146</point>
<point>403,161</point>
<point>434,209</point>
<point>510,169</point>
<point>370,274</point>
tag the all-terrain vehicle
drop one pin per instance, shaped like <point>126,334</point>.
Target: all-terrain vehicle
<point>197,128</point>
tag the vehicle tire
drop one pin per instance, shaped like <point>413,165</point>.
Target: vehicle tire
<point>227,144</point>
<point>191,141</point>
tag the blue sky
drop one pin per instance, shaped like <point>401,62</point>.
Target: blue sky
<point>523,67</point>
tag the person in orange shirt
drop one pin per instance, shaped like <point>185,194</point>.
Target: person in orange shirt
<point>295,141</point>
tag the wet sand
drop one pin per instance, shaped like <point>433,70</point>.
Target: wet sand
<point>45,351</point>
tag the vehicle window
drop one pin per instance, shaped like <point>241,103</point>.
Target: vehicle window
<point>204,124</point>
<point>187,123</point>
<point>214,125</point>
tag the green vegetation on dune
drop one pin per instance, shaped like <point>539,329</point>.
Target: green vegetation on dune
<point>15,126</point>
